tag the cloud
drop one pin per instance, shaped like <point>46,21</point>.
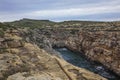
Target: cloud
<point>75,11</point>
<point>68,11</point>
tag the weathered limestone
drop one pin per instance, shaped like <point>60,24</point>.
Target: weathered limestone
<point>100,46</point>
<point>26,61</point>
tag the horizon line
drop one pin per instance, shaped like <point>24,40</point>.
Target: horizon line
<point>62,20</point>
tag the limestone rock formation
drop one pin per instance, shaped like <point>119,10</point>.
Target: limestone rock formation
<point>99,46</point>
<point>20,60</point>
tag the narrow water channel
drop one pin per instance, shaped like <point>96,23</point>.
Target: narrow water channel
<point>80,61</point>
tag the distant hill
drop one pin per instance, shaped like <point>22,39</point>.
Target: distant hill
<point>86,25</point>
<point>31,23</point>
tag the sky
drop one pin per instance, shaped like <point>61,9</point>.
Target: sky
<point>60,10</point>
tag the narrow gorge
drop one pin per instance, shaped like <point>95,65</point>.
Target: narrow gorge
<point>100,47</point>
<point>28,49</point>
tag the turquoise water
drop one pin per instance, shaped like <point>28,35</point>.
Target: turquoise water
<point>80,61</point>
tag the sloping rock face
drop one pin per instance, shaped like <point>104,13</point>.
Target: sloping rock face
<point>20,60</point>
<point>103,47</point>
<point>100,46</point>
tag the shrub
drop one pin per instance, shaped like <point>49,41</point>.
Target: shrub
<point>1,33</point>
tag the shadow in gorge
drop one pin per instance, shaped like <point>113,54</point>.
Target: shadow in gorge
<point>79,60</point>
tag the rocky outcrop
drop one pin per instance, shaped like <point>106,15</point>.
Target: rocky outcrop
<point>99,46</point>
<point>20,60</point>
<point>103,47</point>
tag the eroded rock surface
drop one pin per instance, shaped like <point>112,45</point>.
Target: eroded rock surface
<point>100,46</point>
<point>20,60</point>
